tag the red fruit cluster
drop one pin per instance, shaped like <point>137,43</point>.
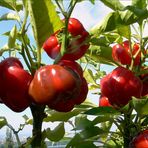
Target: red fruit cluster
<point>140,141</point>
<point>76,47</point>
<point>120,85</point>
<point>123,54</point>
<point>60,86</point>
<point>14,84</point>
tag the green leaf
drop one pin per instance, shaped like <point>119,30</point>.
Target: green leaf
<point>106,126</point>
<point>132,15</point>
<point>91,132</point>
<point>117,19</point>
<point>56,134</point>
<point>102,111</point>
<point>3,49</point>
<point>61,116</point>
<point>90,76</point>
<point>12,4</point>
<point>9,16</point>
<point>109,23</point>
<point>81,122</point>
<point>103,118</point>
<point>140,105</point>
<point>86,104</point>
<point>113,4</point>
<point>140,3</point>
<point>12,37</point>
<point>18,36</point>
<point>44,19</point>
<point>78,142</point>
<point>101,54</point>
<point>124,31</point>
<point>3,122</point>
<point>100,41</point>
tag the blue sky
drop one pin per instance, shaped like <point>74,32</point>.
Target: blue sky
<point>89,15</point>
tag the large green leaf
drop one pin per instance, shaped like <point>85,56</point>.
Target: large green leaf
<point>61,116</point>
<point>102,111</point>
<point>81,122</point>
<point>57,133</point>
<point>101,54</point>
<point>91,132</point>
<point>78,142</point>
<point>140,3</point>
<point>44,19</point>
<point>113,20</point>
<point>124,31</point>
<point>11,4</point>
<point>132,15</point>
<point>113,4</point>
<point>140,105</point>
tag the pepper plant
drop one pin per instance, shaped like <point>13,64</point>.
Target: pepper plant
<point>58,91</point>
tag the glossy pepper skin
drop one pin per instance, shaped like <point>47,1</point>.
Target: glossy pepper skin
<point>140,141</point>
<point>59,86</point>
<point>72,65</point>
<point>120,85</point>
<point>75,48</point>
<point>79,71</point>
<point>15,83</point>
<point>121,53</point>
<point>103,101</point>
<point>52,81</point>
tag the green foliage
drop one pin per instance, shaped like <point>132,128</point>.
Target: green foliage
<point>115,4</point>
<point>91,78</point>
<point>57,133</point>
<point>60,116</point>
<point>44,19</point>
<point>3,122</point>
<point>140,105</point>
<point>9,16</point>
<point>102,111</point>
<point>113,20</point>
<point>12,37</point>
<point>140,4</point>
<point>101,54</point>
<point>11,4</point>
<point>79,142</point>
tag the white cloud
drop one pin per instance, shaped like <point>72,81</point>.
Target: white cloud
<point>90,14</point>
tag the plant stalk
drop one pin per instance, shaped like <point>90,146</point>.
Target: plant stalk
<point>38,116</point>
<point>126,135</point>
